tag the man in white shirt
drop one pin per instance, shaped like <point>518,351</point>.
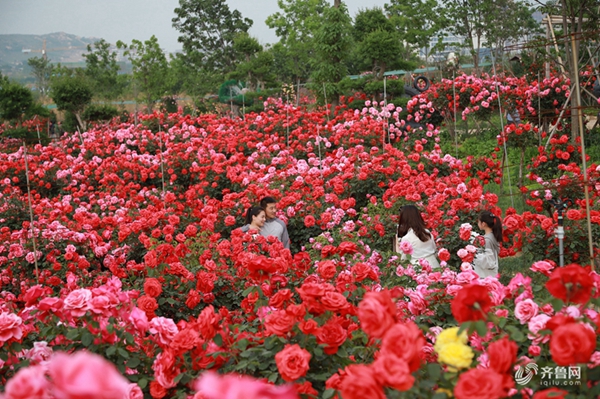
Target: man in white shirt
<point>274,226</point>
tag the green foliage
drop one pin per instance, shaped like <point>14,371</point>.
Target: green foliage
<point>208,29</point>
<point>102,70</point>
<point>332,44</point>
<point>42,71</point>
<point>98,113</point>
<point>71,94</point>
<point>295,25</point>
<point>150,69</point>
<point>15,101</point>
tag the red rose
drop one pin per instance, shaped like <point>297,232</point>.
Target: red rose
<point>279,323</point>
<point>327,251</point>
<point>391,371</point>
<point>148,305</point>
<point>377,313</point>
<point>347,247</point>
<point>571,283</point>
<point>326,269</point>
<point>479,384</point>
<point>309,221</point>
<point>292,362</point>
<point>572,343</point>
<point>361,271</point>
<point>471,303</point>
<point>185,340</point>
<point>152,287</point>
<point>193,299</point>
<point>502,355</point>
<point>405,341</point>
<point>333,335</point>
<point>557,321</point>
<point>279,298</point>
<point>309,326</point>
<point>157,391</point>
<point>334,301</point>
<point>359,382</point>
<point>551,393</point>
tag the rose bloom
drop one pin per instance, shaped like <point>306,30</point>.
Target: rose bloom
<point>279,323</point>
<point>28,383</point>
<point>333,335</point>
<point>377,313</point>
<point>334,301</point>
<point>572,343</point>
<point>449,335</point>
<point>456,355</point>
<point>571,283</point>
<point>391,371</point>
<point>444,255</point>
<point>213,386</point>
<point>471,303</point>
<point>85,375</point>
<point>78,301</point>
<point>164,329</point>
<point>525,310</point>
<point>543,267</point>
<point>406,247</point>
<point>152,287</point>
<point>502,355</point>
<point>479,384</point>
<point>326,269</point>
<point>360,382</point>
<point>292,362</point>
<point>10,327</point>
<point>405,340</point>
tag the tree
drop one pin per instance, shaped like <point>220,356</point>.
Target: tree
<point>150,69</point>
<point>378,42</point>
<point>102,69</point>
<point>257,64</point>
<point>517,23</point>
<point>208,29</point>
<point>332,43</point>
<point>71,93</point>
<point>416,21</point>
<point>295,25</point>
<point>42,71</point>
<point>15,101</point>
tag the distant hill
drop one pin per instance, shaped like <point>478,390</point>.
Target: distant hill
<point>60,47</point>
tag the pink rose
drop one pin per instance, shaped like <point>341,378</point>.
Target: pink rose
<point>406,247</point>
<point>525,310</point>
<point>543,267</point>
<point>536,324</point>
<point>85,375</point>
<point>135,392</point>
<point>28,383</point>
<point>10,326</point>
<point>78,302</point>
<point>40,352</point>
<point>164,329</point>
<point>213,386</point>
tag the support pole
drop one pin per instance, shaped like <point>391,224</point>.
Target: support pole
<point>37,271</point>
<point>583,160</point>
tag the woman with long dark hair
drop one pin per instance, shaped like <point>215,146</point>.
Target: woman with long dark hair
<point>412,230</point>
<point>486,262</point>
<point>255,219</point>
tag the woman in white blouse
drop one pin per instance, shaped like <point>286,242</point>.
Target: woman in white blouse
<point>411,229</point>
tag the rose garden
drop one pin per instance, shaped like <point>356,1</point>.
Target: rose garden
<point>141,285</point>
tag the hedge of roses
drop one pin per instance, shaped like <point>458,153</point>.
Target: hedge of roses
<point>139,269</point>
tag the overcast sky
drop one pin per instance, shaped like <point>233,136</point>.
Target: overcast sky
<point>129,19</point>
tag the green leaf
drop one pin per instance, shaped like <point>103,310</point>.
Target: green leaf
<point>273,377</point>
<point>434,371</point>
<point>86,339</point>
<point>481,328</point>
<point>110,351</point>
<point>142,383</point>
<point>557,304</point>
<point>328,393</point>
<point>247,291</point>
<point>133,362</point>
<point>73,334</point>
<point>218,340</point>
<point>123,353</point>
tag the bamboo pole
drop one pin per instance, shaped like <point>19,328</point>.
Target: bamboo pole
<point>583,160</point>
<point>29,202</point>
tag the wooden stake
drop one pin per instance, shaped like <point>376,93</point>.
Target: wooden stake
<point>37,272</point>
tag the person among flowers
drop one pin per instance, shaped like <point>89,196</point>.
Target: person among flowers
<point>411,230</point>
<point>273,225</point>
<point>255,220</point>
<point>486,261</point>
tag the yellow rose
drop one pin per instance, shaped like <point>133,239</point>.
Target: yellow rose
<point>456,355</point>
<point>449,335</point>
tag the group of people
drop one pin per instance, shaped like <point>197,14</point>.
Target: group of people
<point>262,219</point>
<point>412,229</point>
